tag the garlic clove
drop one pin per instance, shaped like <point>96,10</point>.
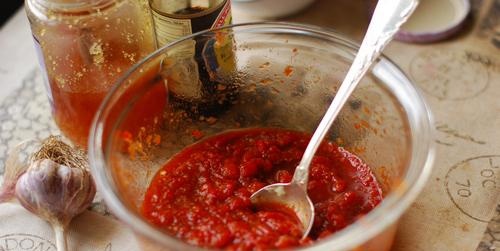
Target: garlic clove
<point>55,192</point>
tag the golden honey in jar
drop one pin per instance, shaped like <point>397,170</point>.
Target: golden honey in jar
<point>84,46</point>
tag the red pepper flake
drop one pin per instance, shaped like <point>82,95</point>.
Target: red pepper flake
<point>149,139</point>
<point>221,87</point>
<point>339,141</point>
<point>156,139</point>
<point>266,81</point>
<point>295,50</point>
<point>211,120</point>
<point>288,70</point>
<point>359,149</point>
<point>126,136</point>
<point>365,124</point>
<point>220,38</point>
<point>264,65</point>
<point>136,149</point>
<point>197,134</point>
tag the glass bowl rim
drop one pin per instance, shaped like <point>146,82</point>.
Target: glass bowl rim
<point>351,236</point>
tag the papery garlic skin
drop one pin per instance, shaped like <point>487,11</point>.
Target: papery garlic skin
<point>55,192</point>
<point>18,161</point>
<point>7,189</point>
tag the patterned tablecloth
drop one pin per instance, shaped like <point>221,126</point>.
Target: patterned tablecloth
<point>25,114</point>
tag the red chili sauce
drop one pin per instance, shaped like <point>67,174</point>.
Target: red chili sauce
<point>202,194</point>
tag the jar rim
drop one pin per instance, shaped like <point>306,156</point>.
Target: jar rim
<point>72,6</point>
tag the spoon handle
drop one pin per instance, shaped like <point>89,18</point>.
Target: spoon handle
<point>388,17</point>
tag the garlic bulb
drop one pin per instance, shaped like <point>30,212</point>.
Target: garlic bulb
<point>56,193</point>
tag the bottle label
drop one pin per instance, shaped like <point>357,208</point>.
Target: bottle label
<point>173,26</point>
<point>224,17</point>
<point>168,29</point>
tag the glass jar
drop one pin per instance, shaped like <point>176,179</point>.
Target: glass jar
<point>84,46</point>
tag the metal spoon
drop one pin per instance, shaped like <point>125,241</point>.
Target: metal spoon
<point>388,17</point>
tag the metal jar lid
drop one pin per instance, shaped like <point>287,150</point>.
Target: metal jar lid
<point>435,20</point>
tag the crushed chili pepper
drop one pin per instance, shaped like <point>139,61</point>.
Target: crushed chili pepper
<point>202,194</point>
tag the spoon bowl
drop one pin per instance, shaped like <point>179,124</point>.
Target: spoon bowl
<point>290,195</point>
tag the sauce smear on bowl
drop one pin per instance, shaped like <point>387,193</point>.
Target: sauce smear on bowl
<point>202,194</point>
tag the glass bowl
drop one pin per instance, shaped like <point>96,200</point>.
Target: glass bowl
<point>260,75</point>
